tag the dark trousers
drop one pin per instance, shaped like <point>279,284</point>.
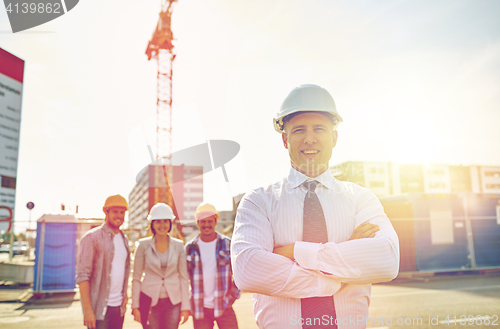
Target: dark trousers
<point>226,321</point>
<point>112,320</point>
<point>165,315</point>
<point>144,308</point>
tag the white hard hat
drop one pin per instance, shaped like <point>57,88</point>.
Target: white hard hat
<point>161,211</point>
<point>307,98</point>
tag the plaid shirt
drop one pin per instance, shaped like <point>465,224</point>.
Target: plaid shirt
<point>225,292</point>
<point>95,256</point>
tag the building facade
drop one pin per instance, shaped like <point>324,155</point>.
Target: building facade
<point>389,178</point>
<point>447,217</point>
<point>185,195</point>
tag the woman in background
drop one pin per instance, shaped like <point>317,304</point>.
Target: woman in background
<point>164,289</point>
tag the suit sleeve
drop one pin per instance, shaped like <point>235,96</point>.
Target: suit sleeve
<point>137,275</point>
<point>257,269</point>
<point>184,279</point>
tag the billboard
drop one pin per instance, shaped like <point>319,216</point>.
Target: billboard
<point>11,87</point>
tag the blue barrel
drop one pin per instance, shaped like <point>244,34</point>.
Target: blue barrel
<point>55,256</point>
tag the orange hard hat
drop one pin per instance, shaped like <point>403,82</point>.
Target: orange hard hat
<point>205,210</point>
<point>115,201</point>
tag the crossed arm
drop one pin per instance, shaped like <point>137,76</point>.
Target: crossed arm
<point>305,269</point>
<point>364,231</point>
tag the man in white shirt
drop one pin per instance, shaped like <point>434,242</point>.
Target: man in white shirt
<point>213,291</point>
<point>310,246</point>
<point>103,269</point>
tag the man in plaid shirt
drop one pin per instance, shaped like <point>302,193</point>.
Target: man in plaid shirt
<point>213,291</point>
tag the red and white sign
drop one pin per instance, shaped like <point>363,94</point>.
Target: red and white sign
<point>11,89</point>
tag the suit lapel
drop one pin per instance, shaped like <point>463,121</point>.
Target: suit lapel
<point>171,246</point>
<point>155,261</point>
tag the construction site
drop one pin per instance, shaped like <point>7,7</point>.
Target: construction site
<point>200,131</point>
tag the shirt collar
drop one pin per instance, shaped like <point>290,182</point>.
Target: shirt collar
<point>107,229</point>
<point>296,178</point>
<point>153,244</point>
<point>197,238</point>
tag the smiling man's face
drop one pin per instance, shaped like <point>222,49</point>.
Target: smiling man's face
<point>115,217</point>
<point>309,138</point>
<point>206,225</point>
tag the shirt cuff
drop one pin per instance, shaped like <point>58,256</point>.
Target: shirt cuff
<point>306,254</point>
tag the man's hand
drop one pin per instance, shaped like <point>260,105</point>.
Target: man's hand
<point>125,301</point>
<point>137,314</point>
<point>286,251</point>
<point>89,319</point>
<point>185,316</point>
<point>365,230</point>
<point>88,313</point>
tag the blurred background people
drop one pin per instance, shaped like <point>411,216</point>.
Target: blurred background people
<point>162,296</point>
<point>103,269</point>
<point>209,263</point>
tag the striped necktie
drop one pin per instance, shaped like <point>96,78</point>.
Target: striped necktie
<point>319,310</point>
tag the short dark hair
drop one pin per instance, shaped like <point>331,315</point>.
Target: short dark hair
<point>289,117</point>
<point>154,231</point>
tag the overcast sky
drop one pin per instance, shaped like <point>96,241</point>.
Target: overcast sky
<point>415,81</point>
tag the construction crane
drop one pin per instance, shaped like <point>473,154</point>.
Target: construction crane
<point>160,48</point>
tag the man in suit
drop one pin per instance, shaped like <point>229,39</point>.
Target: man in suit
<point>310,246</point>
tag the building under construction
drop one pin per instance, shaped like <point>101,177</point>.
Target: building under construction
<point>186,195</point>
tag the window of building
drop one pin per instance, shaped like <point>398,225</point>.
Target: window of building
<point>436,172</point>
<point>375,170</point>
<point>195,199</point>
<point>377,184</point>
<point>492,173</point>
<point>493,186</point>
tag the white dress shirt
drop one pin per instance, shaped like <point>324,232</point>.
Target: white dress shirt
<point>272,217</point>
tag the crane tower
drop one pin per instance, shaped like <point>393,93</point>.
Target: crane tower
<point>160,48</point>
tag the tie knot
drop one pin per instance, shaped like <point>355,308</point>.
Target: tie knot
<point>310,186</point>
